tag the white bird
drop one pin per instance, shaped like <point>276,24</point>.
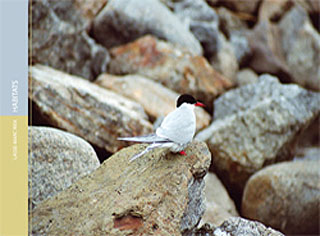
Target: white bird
<point>176,130</point>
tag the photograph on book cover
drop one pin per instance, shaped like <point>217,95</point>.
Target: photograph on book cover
<point>13,117</point>
<point>160,117</point>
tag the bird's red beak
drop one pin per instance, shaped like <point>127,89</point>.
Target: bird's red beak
<point>199,104</point>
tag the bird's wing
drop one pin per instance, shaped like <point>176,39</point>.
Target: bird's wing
<point>178,126</point>
<point>151,138</point>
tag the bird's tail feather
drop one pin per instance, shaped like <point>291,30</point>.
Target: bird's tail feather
<point>149,148</point>
<point>145,139</point>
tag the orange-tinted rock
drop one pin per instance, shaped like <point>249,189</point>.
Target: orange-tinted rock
<point>175,68</point>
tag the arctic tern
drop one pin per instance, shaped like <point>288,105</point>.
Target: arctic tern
<point>176,130</point>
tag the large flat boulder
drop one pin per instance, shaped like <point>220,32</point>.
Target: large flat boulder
<point>159,193</point>
<point>257,125</point>
<point>285,196</point>
<point>96,114</point>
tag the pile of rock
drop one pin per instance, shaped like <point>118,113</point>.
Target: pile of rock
<point>114,68</point>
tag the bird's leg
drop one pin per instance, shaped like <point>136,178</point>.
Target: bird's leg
<point>183,153</point>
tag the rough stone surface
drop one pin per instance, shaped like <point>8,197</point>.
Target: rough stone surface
<point>285,196</point>
<point>172,67</point>
<point>83,108</point>
<point>240,43</point>
<point>219,206</point>
<point>89,9</point>
<point>273,10</point>
<point>156,99</point>
<point>122,21</point>
<point>246,76</point>
<point>242,6</point>
<point>256,125</point>
<point>267,56</point>
<point>202,20</point>
<point>307,153</point>
<point>56,160</point>
<point>311,6</point>
<point>225,60</point>
<point>290,48</point>
<point>159,193</point>
<point>236,31</point>
<point>237,226</point>
<point>267,88</point>
<point>66,11</point>
<point>60,41</point>
<point>194,10</point>
<point>208,34</point>
<point>229,21</point>
<point>301,48</point>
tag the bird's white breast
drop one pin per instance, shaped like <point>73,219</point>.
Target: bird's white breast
<point>180,125</point>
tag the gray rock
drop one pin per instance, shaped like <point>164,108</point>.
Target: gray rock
<point>256,125</point>
<point>267,56</point>
<point>60,41</point>
<point>290,48</point>
<point>66,11</point>
<point>160,193</point>
<point>225,60</point>
<point>89,9</point>
<point>236,32</point>
<point>301,47</point>
<point>240,43</point>
<point>208,35</point>
<point>195,209</point>
<point>122,21</point>
<point>237,226</point>
<point>85,109</point>
<point>195,10</point>
<point>267,88</point>
<point>56,160</point>
<point>246,76</point>
<point>229,21</point>
<point>171,66</point>
<point>285,196</point>
<point>311,6</point>
<point>307,153</point>
<point>203,22</point>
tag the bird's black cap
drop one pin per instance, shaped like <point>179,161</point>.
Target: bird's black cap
<point>186,98</point>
